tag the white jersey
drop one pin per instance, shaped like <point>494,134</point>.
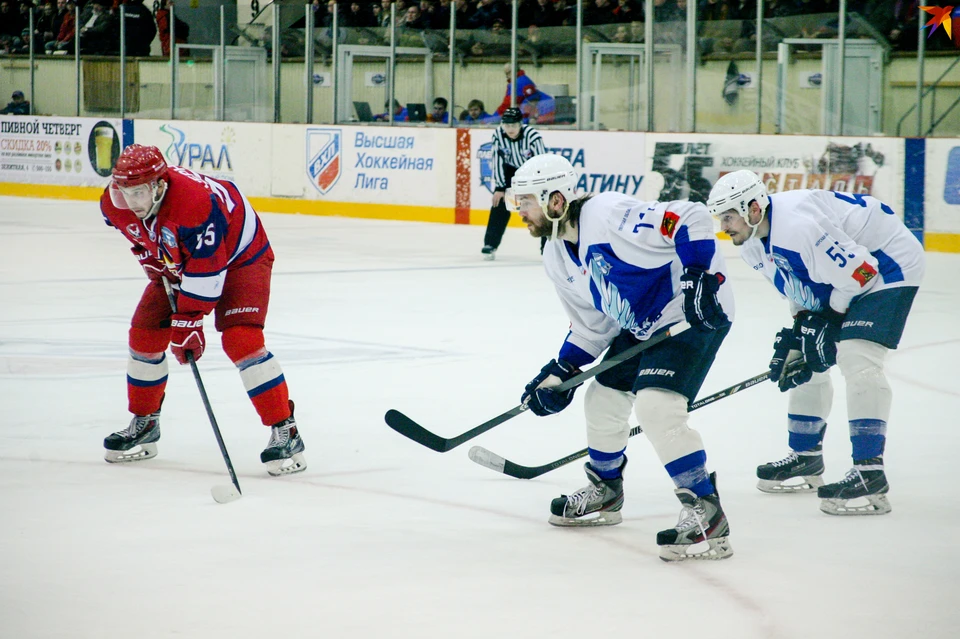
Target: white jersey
<point>826,249</point>
<point>624,272</point>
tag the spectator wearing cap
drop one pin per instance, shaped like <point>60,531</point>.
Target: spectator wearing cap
<point>525,90</point>
<point>19,106</point>
<point>513,144</point>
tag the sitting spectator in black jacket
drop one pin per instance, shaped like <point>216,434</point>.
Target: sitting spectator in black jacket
<point>19,106</point>
<point>99,30</point>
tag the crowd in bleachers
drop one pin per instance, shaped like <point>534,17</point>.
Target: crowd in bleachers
<point>55,26</point>
<point>622,20</point>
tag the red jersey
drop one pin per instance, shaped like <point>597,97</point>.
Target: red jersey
<point>204,228</point>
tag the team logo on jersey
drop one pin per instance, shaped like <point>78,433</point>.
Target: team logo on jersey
<point>782,263</point>
<point>134,231</point>
<point>324,158</point>
<point>485,157</point>
<point>168,238</point>
<point>864,273</point>
<point>669,224</point>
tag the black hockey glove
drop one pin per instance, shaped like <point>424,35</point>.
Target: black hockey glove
<point>788,339</point>
<point>796,373</point>
<point>700,304</point>
<point>546,401</point>
<point>818,336</point>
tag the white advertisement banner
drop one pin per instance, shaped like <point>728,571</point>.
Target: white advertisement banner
<point>235,151</point>
<point>604,160</point>
<point>942,187</point>
<point>51,150</point>
<point>692,163</point>
<point>380,165</point>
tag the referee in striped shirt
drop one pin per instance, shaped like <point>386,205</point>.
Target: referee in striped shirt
<point>513,144</point>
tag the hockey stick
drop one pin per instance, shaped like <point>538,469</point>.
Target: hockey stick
<point>493,461</point>
<point>411,429</point>
<point>221,494</point>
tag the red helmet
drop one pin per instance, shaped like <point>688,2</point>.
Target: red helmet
<point>139,164</point>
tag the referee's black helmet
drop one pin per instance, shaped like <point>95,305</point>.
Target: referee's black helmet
<point>512,116</point>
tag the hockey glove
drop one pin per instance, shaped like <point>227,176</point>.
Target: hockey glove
<point>151,265</point>
<point>538,394</point>
<point>818,336</point>
<point>796,373</point>
<point>700,304</point>
<point>786,348</point>
<point>187,336</point>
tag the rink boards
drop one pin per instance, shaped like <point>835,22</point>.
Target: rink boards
<point>436,174</point>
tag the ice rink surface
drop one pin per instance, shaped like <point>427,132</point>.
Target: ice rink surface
<point>381,537</point>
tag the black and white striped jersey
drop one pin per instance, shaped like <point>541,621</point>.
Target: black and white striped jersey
<point>509,155</point>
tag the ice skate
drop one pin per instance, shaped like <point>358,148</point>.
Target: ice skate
<point>284,452</point>
<point>862,492</point>
<point>702,531</point>
<point>603,497</point>
<point>135,443</point>
<point>489,253</point>
<point>798,472</point>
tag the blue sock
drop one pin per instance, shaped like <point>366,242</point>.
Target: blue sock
<point>806,432</point>
<point>690,472</point>
<point>869,436</point>
<point>606,465</point>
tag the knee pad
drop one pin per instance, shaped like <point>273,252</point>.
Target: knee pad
<point>149,342</point>
<point>663,416</point>
<point>868,391</point>
<point>243,342</point>
<point>607,411</point>
<point>813,399</point>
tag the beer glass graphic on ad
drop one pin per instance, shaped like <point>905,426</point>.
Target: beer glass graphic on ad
<point>103,139</point>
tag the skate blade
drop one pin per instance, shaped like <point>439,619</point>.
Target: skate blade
<point>137,453</point>
<point>225,494</point>
<point>711,549</point>
<point>808,484</point>
<point>603,518</point>
<point>868,505</point>
<point>288,466</point>
<point>489,257</point>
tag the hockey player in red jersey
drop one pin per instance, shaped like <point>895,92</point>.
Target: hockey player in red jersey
<point>204,237</point>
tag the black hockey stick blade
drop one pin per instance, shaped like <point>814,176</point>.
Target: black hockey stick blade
<point>412,430</point>
<point>493,461</point>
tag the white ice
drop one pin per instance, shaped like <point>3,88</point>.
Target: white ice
<point>381,537</point>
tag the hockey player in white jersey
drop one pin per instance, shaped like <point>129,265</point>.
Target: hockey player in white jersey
<point>626,270</point>
<point>850,270</point>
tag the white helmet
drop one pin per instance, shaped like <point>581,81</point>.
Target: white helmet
<point>735,191</point>
<point>541,175</point>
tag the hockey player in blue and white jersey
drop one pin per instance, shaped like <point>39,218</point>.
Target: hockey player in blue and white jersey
<point>626,270</point>
<point>850,270</point>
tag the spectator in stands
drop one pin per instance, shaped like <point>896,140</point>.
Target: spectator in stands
<point>140,28</point>
<point>11,27</point>
<point>45,26</point>
<point>19,106</point>
<point>358,16</point>
<point>897,21</point>
<point>399,113</point>
<point>476,113</point>
<point>413,19</point>
<point>100,30</point>
<point>67,31</point>
<point>543,13</point>
<point>464,13</point>
<point>181,29</point>
<point>600,13</point>
<point>628,11</point>
<point>440,113</point>
<point>486,14</point>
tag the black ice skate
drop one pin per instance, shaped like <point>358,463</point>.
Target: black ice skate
<point>798,472</point>
<point>865,485</point>
<point>284,452</point>
<point>489,253</point>
<point>702,531</point>
<point>136,443</point>
<point>602,496</point>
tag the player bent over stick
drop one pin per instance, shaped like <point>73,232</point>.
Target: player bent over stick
<point>203,234</point>
<point>626,270</point>
<point>850,270</point>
